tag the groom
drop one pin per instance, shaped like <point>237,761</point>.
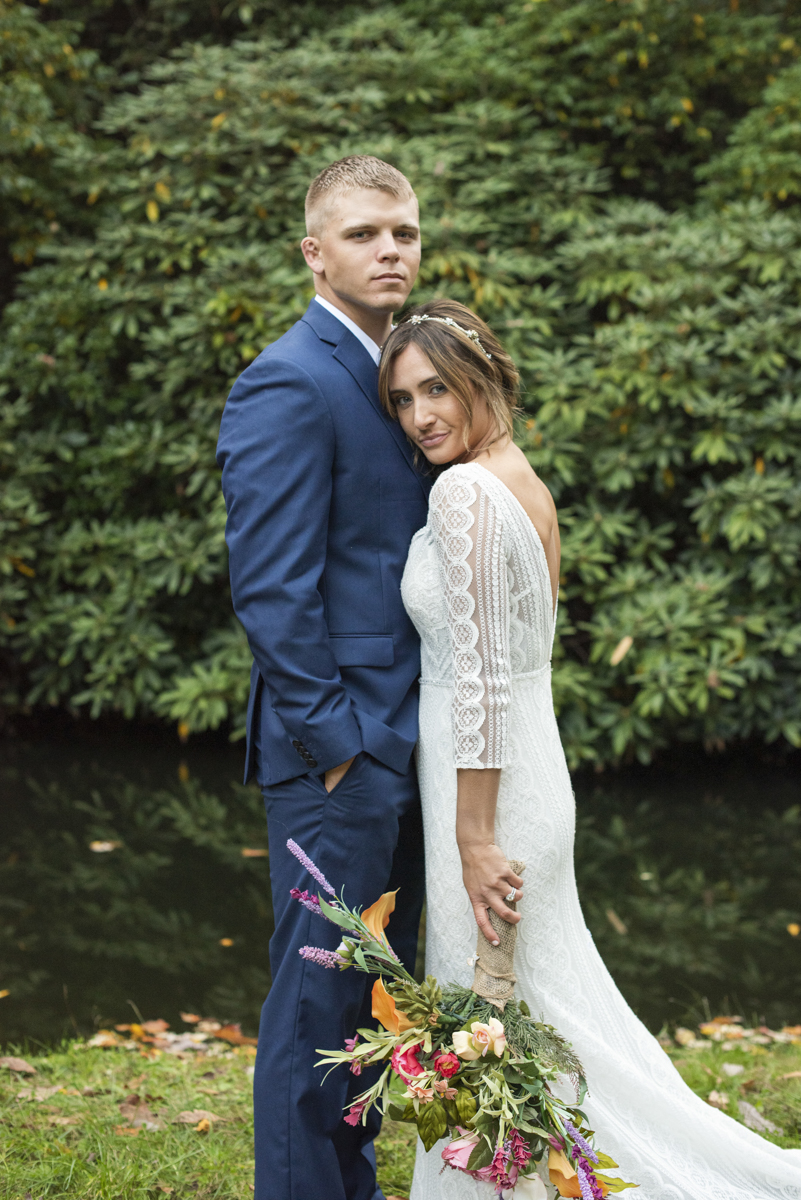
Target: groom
<point>323,499</point>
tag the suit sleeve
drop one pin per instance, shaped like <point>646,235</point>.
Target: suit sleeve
<point>276,451</point>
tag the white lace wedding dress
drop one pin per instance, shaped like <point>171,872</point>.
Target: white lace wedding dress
<point>477,587</point>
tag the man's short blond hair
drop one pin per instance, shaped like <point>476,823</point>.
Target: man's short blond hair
<point>346,175</point>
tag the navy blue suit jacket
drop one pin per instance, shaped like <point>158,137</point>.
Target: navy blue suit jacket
<point>323,499</point>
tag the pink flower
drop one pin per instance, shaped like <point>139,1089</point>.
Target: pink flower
<point>420,1093</point>
<point>521,1151</point>
<point>356,1067</point>
<point>481,1038</point>
<point>355,1114</point>
<point>447,1064</point>
<point>441,1086</point>
<point>404,1061</point>
<point>351,1043</point>
<point>457,1153</point>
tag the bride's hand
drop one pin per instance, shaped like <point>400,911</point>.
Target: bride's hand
<point>489,880</point>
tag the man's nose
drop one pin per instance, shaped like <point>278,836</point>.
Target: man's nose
<point>386,248</point>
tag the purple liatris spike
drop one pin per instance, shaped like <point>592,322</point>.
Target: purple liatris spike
<point>582,1143</point>
<point>308,901</point>
<point>306,862</point>
<point>587,1190</point>
<point>324,958</point>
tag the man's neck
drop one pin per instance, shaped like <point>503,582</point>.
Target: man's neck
<point>376,325</point>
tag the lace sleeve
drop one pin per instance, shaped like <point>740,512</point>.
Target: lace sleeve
<point>468,532</point>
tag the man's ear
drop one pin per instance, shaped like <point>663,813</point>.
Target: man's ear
<point>313,253</point>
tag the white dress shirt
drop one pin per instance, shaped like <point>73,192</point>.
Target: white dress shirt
<point>372,349</point>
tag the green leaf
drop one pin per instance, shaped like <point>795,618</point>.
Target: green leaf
<point>432,1123</point>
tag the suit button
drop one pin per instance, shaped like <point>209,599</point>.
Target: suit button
<point>296,743</point>
<point>312,762</point>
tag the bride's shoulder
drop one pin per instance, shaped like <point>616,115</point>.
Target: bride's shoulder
<point>456,476</point>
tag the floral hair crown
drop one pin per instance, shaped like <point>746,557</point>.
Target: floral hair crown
<point>471,333</point>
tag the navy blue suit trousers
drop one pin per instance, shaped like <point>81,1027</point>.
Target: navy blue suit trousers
<point>366,835</point>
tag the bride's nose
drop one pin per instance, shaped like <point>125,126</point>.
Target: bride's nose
<point>423,416</point>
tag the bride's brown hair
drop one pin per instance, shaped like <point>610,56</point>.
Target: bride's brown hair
<point>468,366</point>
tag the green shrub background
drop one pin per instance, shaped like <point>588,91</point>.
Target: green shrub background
<point>613,184</point>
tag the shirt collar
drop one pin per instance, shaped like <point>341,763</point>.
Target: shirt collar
<point>370,346</point>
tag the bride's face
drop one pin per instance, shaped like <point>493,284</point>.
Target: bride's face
<point>430,415</point>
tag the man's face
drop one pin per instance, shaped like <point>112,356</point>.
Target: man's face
<point>368,250</point>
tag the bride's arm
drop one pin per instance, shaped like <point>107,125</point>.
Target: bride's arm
<point>486,873</point>
<point>470,542</point>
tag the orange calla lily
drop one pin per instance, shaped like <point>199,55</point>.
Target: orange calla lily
<point>563,1176</point>
<point>386,1012</point>
<point>376,917</point>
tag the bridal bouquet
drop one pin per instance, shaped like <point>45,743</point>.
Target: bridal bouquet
<point>463,1072</point>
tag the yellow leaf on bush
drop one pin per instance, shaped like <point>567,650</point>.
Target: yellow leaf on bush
<point>217,121</point>
<point>152,210</point>
<point>621,650</point>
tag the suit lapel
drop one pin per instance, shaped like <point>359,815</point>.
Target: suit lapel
<point>349,351</point>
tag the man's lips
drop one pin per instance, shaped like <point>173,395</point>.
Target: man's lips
<point>389,275</point>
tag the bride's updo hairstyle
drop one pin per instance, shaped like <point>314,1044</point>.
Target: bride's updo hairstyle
<point>464,352</point>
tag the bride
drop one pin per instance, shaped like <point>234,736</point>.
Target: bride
<point>481,587</point>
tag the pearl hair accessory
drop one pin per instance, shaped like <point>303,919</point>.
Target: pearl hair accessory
<point>471,333</point>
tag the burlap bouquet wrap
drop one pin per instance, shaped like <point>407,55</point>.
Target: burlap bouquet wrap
<point>495,977</point>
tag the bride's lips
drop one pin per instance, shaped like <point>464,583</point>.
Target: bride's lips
<point>433,439</point>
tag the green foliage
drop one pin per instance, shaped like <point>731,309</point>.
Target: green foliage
<point>763,158</point>
<point>48,84</point>
<point>656,349</point>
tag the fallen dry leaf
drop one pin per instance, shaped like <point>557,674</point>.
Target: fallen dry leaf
<point>190,1018</point>
<point>104,847</point>
<point>209,1025</point>
<point>203,1126</point>
<point>39,1093</point>
<point>253,852</point>
<point>4,992</point>
<point>138,1114</point>
<point>754,1119</point>
<point>157,1026</point>
<point>791,1075</point>
<point>732,1069</point>
<point>64,1120</point>
<point>616,923</point>
<point>132,1083</point>
<point>164,1187</point>
<point>105,1038</point>
<point>126,1131</point>
<point>192,1116</point>
<point>17,1064</point>
<point>234,1035</point>
<point>718,1099</point>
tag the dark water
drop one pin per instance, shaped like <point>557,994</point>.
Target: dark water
<point>689,874</point>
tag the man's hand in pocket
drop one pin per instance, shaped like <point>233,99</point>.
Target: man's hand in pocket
<point>333,776</point>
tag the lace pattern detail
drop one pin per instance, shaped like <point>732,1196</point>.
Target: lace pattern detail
<point>664,1137</point>
<point>469,537</point>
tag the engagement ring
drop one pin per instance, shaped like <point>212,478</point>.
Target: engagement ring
<point>511,895</point>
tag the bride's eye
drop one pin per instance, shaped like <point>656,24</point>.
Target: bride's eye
<point>438,389</point>
<point>402,401</point>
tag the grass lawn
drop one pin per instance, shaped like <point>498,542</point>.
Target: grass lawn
<point>117,1124</point>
